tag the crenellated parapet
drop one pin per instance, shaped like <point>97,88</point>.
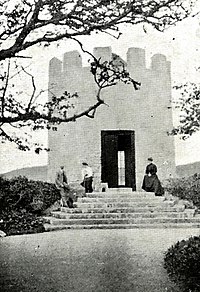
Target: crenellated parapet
<point>69,74</point>
<point>136,62</point>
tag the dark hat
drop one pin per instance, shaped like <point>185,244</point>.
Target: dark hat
<point>84,163</point>
<point>150,159</point>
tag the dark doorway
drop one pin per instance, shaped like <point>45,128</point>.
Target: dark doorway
<point>118,158</point>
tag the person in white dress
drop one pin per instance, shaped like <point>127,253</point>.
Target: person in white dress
<point>87,176</point>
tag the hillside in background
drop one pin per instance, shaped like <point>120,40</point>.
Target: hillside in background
<point>188,169</point>
<point>40,172</point>
<point>35,173</point>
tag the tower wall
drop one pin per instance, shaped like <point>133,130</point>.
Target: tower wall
<point>145,111</point>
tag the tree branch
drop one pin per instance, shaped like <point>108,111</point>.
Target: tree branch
<point>38,22</point>
<point>4,90</point>
<point>84,18</point>
<point>34,89</point>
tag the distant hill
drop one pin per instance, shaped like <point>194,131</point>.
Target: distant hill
<point>188,169</point>
<point>40,172</point>
<point>35,173</point>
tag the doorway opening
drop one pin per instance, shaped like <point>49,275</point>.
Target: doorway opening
<point>118,158</point>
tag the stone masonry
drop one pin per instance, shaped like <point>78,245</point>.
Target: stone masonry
<point>146,111</point>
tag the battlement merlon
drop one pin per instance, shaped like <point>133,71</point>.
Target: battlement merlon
<point>55,68</point>
<point>72,61</point>
<point>55,77</point>
<point>159,63</point>
<point>105,53</point>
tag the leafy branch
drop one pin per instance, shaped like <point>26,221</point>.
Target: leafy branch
<point>189,107</point>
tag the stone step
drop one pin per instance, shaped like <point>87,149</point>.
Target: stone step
<point>110,221</point>
<point>131,209</point>
<point>120,199</point>
<point>63,215</point>
<point>122,208</point>
<point>50,227</point>
<point>122,204</point>
<point>120,194</point>
<point>120,190</point>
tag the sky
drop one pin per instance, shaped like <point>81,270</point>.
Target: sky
<point>180,44</point>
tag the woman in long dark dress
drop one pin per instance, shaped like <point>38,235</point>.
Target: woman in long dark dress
<point>151,183</point>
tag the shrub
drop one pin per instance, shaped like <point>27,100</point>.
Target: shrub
<point>21,200</point>
<point>21,193</point>
<point>182,262</point>
<point>20,222</point>
<point>185,188</point>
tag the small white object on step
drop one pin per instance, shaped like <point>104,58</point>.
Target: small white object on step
<point>2,234</point>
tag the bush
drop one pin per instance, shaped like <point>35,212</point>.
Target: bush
<point>185,188</point>
<point>21,193</point>
<point>20,222</point>
<point>21,200</point>
<point>182,262</point>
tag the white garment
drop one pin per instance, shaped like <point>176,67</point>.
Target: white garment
<point>87,172</point>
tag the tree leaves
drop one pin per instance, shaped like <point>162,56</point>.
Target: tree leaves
<point>26,23</point>
<point>189,106</point>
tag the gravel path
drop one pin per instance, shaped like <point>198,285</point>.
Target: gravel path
<point>88,260</point>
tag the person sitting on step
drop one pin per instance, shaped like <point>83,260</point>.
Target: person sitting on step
<point>151,183</point>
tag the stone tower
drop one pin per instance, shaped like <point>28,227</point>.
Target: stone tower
<point>118,141</point>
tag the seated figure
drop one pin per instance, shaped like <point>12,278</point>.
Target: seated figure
<point>151,183</point>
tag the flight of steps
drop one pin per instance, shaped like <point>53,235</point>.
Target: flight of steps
<point>122,208</point>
